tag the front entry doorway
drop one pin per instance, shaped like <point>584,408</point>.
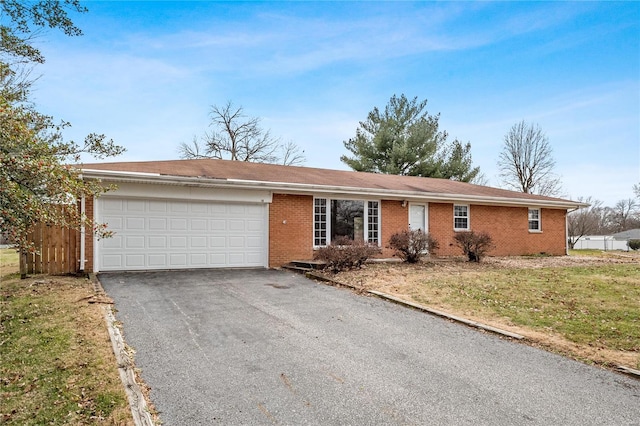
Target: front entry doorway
<point>419,217</point>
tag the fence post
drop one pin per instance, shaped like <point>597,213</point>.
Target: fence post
<point>23,264</point>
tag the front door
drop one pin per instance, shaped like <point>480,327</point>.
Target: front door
<point>418,217</point>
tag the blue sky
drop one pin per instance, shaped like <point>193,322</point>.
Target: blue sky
<point>147,73</point>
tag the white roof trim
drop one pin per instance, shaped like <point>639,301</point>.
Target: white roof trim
<point>314,189</point>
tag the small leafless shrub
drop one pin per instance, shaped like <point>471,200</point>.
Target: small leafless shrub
<point>474,246</point>
<point>410,246</point>
<point>344,253</point>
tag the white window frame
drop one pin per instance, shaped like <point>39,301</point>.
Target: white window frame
<point>328,219</point>
<point>327,223</point>
<point>366,220</point>
<point>467,217</point>
<point>538,219</point>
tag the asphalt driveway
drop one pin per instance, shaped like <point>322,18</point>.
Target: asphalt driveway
<point>271,347</point>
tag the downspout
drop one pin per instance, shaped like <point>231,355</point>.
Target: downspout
<point>566,233</point>
<point>566,229</point>
<point>82,234</point>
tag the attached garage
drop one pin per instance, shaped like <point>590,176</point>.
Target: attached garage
<point>164,233</point>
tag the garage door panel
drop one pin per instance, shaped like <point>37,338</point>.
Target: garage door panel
<point>236,259</point>
<point>134,223</point>
<point>236,242</point>
<point>157,206</point>
<point>254,210</point>
<point>157,224</point>
<point>178,224</point>
<point>179,207</point>
<point>112,262</point>
<point>235,225</point>
<point>218,225</point>
<point>253,225</point>
<point>253,257</point>
<point>219,259</point>
<point>157,242</point>
<point>114,242</point>
<point>198,225</point>
<point>158,234</point>
<point>178,260</point>
<point>254,242</point>
<point>157,261</point>
<point>198,242</point>
<point>111,205</point>
<point>199,208</point>
<point>239,210</point>
<point>134,242</point>
<point>135,206</point>
<point>178,242</point>
<point>198,259</point>
<point>134,261</point>
<point>115,223</point>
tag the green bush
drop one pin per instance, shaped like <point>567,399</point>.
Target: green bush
<point>410,246</point>
<point>474,246</point>
<point>634,244</point>
<point>344,253</point>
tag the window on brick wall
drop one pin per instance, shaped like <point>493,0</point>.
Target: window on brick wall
<point>373,214</point>
<point>460,217</point>
<point>320,222</point>
<point>355,219</point>
<point>534,220</point>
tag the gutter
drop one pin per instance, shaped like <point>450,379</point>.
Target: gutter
<point>311,189</point>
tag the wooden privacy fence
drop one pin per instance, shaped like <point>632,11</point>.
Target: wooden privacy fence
<point>57,251</point>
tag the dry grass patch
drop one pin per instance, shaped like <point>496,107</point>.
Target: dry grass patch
<point>57,363</point>
<point>9,262</point>
<point>588,308</point>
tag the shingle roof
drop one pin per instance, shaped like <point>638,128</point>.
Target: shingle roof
<point>631,234</point>
<point>271,173</point>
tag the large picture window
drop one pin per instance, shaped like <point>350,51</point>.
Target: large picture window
<point>357,220</point>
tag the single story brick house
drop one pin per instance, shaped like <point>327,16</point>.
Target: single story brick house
<point>217,213</point>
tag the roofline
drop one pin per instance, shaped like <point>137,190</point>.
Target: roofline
<point>297,188</point>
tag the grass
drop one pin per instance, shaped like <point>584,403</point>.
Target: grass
<point>599,253</point>
<point>589,312</point>
<point>57,364</point>
<point>9,262</point>
<point>595,306</point>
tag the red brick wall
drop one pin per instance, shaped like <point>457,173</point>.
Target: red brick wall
<point>292,240</point>
<point>441,228</point>
<point>393,218</point>
<point>508,226</point>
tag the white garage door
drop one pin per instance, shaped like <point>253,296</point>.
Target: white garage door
<point>159,234</point>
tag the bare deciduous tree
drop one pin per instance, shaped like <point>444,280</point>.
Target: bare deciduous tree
<point>622,216</point>
<point>238,137</point>
<point>584,221</point>
<point>290,154</point>
<point>526,163</point>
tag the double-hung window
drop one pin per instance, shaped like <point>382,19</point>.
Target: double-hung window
<point>357,220</point>
<point>460,217</point>
<point>534,220</point>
